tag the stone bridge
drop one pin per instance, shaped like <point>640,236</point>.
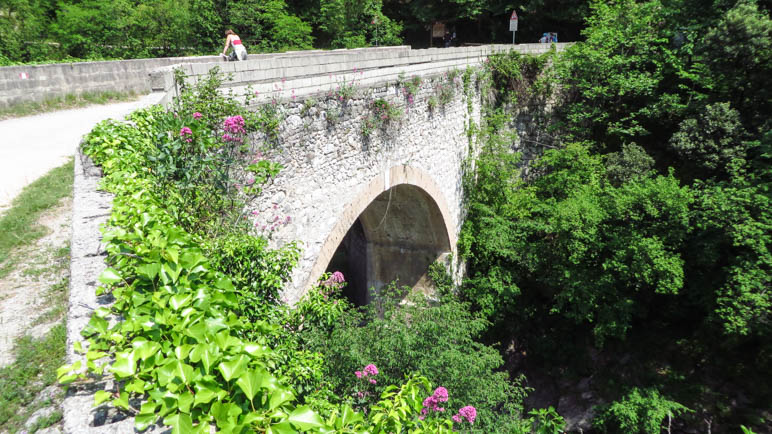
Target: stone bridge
<point>379,199</point>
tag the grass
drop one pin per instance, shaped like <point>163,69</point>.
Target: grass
<point>56,302</point>
<point>33,370</point>
<point>18,226</point>
<point>65,102</point>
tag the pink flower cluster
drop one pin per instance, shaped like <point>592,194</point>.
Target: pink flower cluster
<point>233,126</point>
<point>432,403</point>
<point>186,134</point>
<point>369,370</point>
<point>469,413</point>
<point>197,115</point>
<point>337,277</point>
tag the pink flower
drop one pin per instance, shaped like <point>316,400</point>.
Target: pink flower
<point>287,220</point>
<point>197,115</point>
<point>372,381</point>
<point>255,212</point>
<point>441,394</point>
<point>358,374</point>
<point>234,125</point>
<point>431,402</point>
<point>469,413</point>
<point>370,369</point>
<point>456,418</point>
<point>337,277</point>
<point>185,133</point>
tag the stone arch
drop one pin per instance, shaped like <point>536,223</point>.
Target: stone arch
<point>379,213</point>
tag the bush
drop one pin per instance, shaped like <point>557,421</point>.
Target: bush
<point>640,411</point>
<point>435,339</point>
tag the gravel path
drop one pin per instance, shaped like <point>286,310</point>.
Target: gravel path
<point>31,146</point>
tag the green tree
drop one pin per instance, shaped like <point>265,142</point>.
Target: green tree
<point>738,53</point>
<point>268,26</point>
<point>625,83</point>
<point>569,244</point>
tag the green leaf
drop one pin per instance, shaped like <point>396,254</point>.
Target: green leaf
<point>233,368</point>
<point>304,418</point>
<point>205,354</point>
<point>181,423</point>
<point>179,300</point>
<point>279,397</point>
<point>145,349</point>
<point>143,421</point>
<point>205,393</point>
<point>149,270</point>
<point>249,382</point>
<point>184,401</point>
<point>281,428</point>
<point>110,276</point>
<point>101,396</point>
<point>124,364</point>
<point>184,372</point>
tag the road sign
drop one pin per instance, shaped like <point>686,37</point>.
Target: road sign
<point>513,22</point>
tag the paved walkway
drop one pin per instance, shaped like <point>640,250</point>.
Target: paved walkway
<point>33,145</point>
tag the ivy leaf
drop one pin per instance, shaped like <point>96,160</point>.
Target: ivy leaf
<point>281,428</point>
<point>249,383</point>
<point>233,368</point>
<point>184,401</point>
<point>184,372</point>
<point>303,418</point>
<point>149,270</point>
<point>181,423</point>
<point>101,396</point>
<point>109,276</point>
<point>145,349</point>
<point>279,397</point>
<point>177,301</point>
<point>124,364</point>
<point>204,394</point>
<point>204,354</point>
<point>143,421</point>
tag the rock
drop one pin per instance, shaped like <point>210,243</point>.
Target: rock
<point>56,429</point>
<point>38,415</point>
<point>47,395</point>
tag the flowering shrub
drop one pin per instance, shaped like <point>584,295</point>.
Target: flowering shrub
<point>410,88</point>
<point>186,134</point>
<point>233,128</point>
<point>432,403</point>
<point>467,413</point>
<point>381,114</point>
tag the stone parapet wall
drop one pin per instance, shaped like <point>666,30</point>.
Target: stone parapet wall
<point>34,83</point>
<point>286,77</point>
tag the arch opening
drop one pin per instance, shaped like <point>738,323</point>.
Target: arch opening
<point>395,239</point>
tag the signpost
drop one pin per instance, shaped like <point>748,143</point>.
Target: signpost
<point>513,25</point>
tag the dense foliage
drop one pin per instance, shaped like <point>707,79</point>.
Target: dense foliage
<point>642,230</point>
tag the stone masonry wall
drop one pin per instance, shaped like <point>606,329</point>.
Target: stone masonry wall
<point>333,171</point>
